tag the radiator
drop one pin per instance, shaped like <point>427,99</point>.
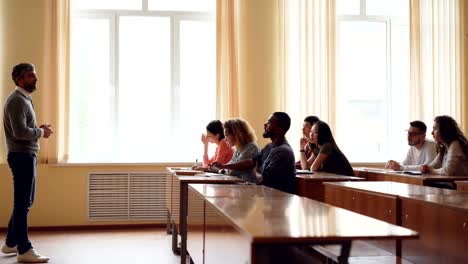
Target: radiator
<point>127,196</point>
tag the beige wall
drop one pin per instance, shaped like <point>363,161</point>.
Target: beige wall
<point>61,195</point>
<point>257,67</point>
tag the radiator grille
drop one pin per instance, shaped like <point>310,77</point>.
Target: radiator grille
<point>127,196</point>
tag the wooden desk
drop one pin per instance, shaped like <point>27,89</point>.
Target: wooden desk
<point>179,183</point>
<point>375,174</point>
<point>377,199</point>
<point>311,185</point>
<point>265,226</point>
<point>245,191</point>
<point>256,228</point>
<point>213,226</point>
<point>442,222</point>
<point>462,186</point>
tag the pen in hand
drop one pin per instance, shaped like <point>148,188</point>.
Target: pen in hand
<point>195,166</point>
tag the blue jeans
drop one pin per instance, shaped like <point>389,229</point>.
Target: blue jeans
<point>23,167</point>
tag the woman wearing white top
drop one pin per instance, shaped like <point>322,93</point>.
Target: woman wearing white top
<point>452,149</point>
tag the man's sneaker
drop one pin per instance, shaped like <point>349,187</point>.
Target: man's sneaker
<point>9,250</point>
<point>31,256</point>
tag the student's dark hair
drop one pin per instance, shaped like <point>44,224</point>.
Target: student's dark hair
<point>216,127</point>
<point>20,69</point>
<point>449,132</point>
<point>420,125</point>
<point>311,120</point>
<point>324,134</point>
<point>284,121</point>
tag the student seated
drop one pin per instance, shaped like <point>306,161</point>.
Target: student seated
<point>241,135</point>
<point>452,149</point>
<point>329,157</point>
<point>223,153</point>
<point>305,145</point>
<point>275,164</point>
<point>421,152</point>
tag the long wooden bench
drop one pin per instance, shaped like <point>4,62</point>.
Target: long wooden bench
<point>362,252</point>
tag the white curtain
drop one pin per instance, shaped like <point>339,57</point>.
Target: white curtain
<point>55,99</point>
<point>435,59</point>
<point>308,54</point>
<point>227,58</point>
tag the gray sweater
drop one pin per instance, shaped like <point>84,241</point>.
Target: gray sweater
<point>19,122</point>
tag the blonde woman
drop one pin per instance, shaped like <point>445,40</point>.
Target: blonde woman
<point>240,134</point>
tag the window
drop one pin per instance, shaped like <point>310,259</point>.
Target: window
<point>142,79</point>
<point>372,79</point>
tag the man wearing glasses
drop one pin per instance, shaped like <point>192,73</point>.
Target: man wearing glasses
<point>422,150</point>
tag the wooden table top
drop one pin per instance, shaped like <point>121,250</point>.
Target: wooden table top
<point>462,185</point>
<point>458,200</point>
<point>392,188</point>
<point>247,191</point>
<point>208,178</point>
<point>183,170</point>
<point>322,176</point>
<point>300,220</point>
<point>425,177</point>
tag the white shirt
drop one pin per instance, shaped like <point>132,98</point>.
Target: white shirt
<point>24,92</point>
<point>415,158</point>
<point>454,162</point>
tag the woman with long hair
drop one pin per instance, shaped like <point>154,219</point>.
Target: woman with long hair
<point>328,157</point>
<point>452,149</point>
<point>240,134</point>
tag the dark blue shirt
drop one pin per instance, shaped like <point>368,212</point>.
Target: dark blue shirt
<point>276,163</point>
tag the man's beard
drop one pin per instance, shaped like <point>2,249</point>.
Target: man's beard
<point>414,143</point>
<point>267,134</point>
<point>30,88</point>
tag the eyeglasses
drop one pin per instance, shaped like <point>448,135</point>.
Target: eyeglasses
<point>412,134</point>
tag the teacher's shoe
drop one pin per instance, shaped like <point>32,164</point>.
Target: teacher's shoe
<point>9,250</point>
<point>31,256</point>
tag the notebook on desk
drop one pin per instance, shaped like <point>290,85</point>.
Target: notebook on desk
<point>413,172</point>
<point>210,174</point>
<point>304,172</point>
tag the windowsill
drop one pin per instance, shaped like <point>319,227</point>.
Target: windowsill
<point>90,164</point>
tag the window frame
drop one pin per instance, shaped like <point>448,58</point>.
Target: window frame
<point>176,18</point>
<point>389,22</point>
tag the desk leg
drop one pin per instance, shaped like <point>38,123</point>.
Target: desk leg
<point>398,248</point>
<point>175,237</point>
<point>168,222</point>
<point>183,221</point>
<point>344,254</point>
